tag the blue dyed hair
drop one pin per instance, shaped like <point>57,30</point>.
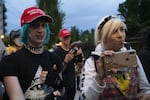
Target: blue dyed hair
<point>24,33</point>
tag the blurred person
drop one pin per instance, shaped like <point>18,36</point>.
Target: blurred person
<point>32,73</point>
<point>68,56</point>
<point>15,41</point>
<point>78,58</point>
<point>145,57</point>
<point>3,53</point>
<point>97,83</point>
<point>144,53</point>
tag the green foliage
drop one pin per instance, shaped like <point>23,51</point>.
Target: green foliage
<point>135,12</point>
<point>74,33</point>
<point>144,10</point>
<point>52,8</point>
<point>129,10</point>
<point>87,37</point>
<point>137,17</point>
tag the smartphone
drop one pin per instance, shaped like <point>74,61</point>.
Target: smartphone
<point>75,49</point>
<point>121,59</point>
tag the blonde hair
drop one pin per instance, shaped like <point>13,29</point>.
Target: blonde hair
<point>107,28</point>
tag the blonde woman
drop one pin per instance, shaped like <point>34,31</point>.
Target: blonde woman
<point>120,83</point>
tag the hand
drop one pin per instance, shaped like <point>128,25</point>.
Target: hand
<point>69,56</point>
<point>79,51</point>
<point>43,76</point>
<point>101,71</point>
<point>56,93</point>
<point>144,96</point>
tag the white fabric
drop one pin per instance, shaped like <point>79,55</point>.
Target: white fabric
<point>90,89</point>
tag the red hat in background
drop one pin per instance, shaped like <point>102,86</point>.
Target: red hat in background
<point>33,13</point>
<point>64,33</point>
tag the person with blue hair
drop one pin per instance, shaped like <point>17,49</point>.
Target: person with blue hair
<point>33,71</point>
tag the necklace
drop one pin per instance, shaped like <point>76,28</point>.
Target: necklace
<point>35,49</point>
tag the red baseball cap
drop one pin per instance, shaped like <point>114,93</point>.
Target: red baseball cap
<point>32,13</point>
<point>64,33</point>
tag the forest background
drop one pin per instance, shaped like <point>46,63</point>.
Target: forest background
<point>135,13</point>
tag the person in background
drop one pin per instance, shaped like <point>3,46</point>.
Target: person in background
<point>144,53</point>
<point>97,83</point>
<point>3,53</point>
<point>145,57</point>
<point>78,66</point>
<point>67,56</point>
<point>32,73</point>
<point>15,41</point>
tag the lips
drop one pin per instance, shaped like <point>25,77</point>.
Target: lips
<point>39,36</point>
<point>121,42</point>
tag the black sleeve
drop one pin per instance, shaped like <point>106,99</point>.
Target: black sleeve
<point>55,60</point>
<point>58,81</point>
<point>8,66</point>
<point>53,78</point>
<point>145,60</point>
<point>58,51</point>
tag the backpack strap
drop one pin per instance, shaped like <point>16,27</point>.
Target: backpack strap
<point>95,57</point>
